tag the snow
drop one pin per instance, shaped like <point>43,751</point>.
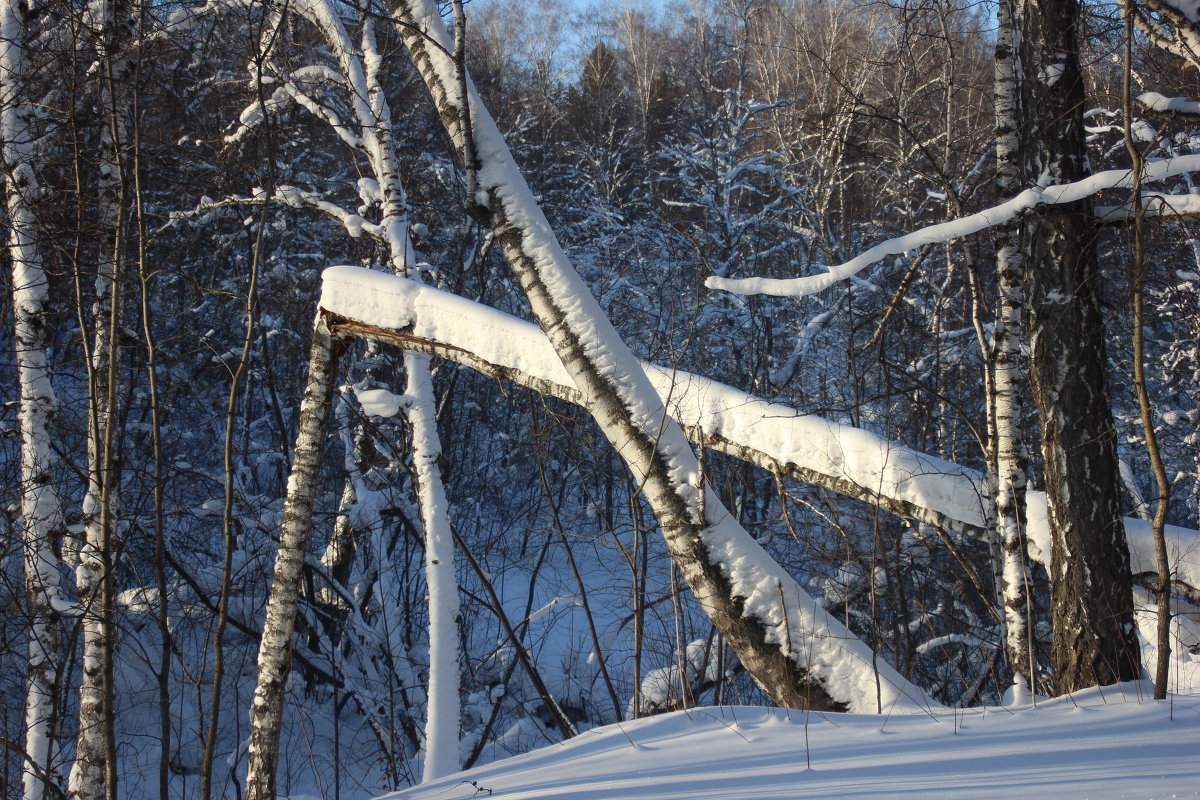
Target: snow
<point>1156,204</point>
<point>1189,8</point>
<point>957,228</point>
<point>1183,544</point>
<point>1101,744</point>
<point>631,413</point>
<point>379,402</point>
<point>839,451</point>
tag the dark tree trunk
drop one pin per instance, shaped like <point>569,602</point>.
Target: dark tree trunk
<point>1091,604</point>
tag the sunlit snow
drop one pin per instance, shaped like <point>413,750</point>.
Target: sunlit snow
<point>1100,744</point>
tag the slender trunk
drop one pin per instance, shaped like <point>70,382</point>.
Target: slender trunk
<point>228,531</point>
<point>1008,364</point>
<point>160,530</point>
<point>275,650</point>
<point>443,719</point>
<point>444,714</point>
<point>1162,596</point>
<point>42,525</point>
<point>94,774</point>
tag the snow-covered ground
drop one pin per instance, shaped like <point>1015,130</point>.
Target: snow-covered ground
<point>1099,744</point>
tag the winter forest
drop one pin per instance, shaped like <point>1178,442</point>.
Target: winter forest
<point>391,386</point>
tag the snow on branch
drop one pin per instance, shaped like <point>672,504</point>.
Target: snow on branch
<point>1156,103</point>
<point>844,459</point>
<point>291,196</point>
<point>1155,205</point>
<point>1032,198</point>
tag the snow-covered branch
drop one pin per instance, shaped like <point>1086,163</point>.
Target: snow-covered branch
<point>841,458</point>
<point>847,460</point>
<point>293,197</point>
<point>1155,205</point>
<point>1155,103</point>
<point>1027,200</point>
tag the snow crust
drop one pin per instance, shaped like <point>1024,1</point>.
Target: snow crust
<point>1101,744</point>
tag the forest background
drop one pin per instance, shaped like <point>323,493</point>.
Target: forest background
<point>182,174</point>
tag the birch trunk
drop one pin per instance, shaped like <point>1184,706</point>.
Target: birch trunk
<point>1091,602</point>
<point>1008,363</point>
<point>275,650</point>
<point>756,606</point>
<point>443,714</point>
<point>42,525</point>
<point>94,773</point>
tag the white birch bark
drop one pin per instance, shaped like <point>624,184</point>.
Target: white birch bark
<point>444,712</point>
<point>41,510</point>
<point>1009,366</point>
<point>373,116</point>
<point>275,649</point>
<point>757,606</point>
<point>443,717</point>
<point>93,774</point>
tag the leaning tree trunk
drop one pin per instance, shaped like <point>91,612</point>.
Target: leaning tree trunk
<point>275,650</point>
<point>798,654</point>
<point>42,525</point>
<point>1091,601</point>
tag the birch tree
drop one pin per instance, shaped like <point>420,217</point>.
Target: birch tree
<point>1008,368</point>
<point>42,524</point>
<point>371,131</point>
<point>1091,603</point>
<point>94,773</point>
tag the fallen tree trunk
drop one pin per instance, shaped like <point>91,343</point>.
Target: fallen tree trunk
<point>780,439</point>
<point>843,459</point>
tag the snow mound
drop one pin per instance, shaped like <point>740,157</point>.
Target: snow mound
<point>1104,743</point>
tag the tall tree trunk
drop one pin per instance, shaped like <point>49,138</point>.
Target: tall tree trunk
<point>41,510</point>
<point>1008,364</point>
<point>94,774</point>
<point>1091,601</point>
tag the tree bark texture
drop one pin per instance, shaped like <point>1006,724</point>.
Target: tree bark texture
<point>1009,369</point>
<point>1091,602</point>
<point>94,773</point>
<point>275,650</point>
<point>42,524</point>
